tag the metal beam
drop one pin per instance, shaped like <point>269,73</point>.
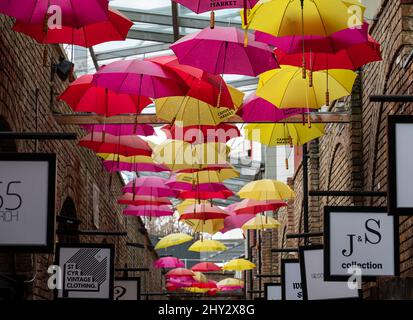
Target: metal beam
<point>78,119</point>
<point>320,193</point>
<point>243,82</point>
<point>147,35</point>
<point>122,53</point>
<point>391,98</point>
<point>8,135</point>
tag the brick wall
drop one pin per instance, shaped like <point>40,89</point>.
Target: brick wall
<point>78,170</point>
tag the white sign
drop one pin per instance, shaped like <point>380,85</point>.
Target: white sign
<point>291,280</point>
<point>273,291</point>
<point>314,286</point>
<point>27,195</point>
<point>127,289</point>
<point>360,238</point>
<point>87,271</point>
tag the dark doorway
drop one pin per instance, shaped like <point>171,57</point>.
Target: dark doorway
<point>68,224</point>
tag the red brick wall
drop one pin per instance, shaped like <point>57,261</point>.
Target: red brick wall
<point>21,74</point>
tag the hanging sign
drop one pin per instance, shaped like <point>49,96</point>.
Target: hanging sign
<point>400,169</point>
<point>27,202</point>
<point>360,241</point>
<point>291,280</point>
<point>127,289</point>
<point>313,283</point>
<point>87,271</point>
<point>272,291</point>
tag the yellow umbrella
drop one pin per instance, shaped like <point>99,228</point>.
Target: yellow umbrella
<point>266,189</point>
<point>239,265</point>
<point>208,176</point>
<point>173,239</point>
<point>286,88</point>
<point>321,17</point>
<point>209,226</point>
<point>292,134</point>
<point>261,222</point>
<point>188,202</point>
<point>200,277</point>
<point>196,290</point>
<point>207,246</point>
<point>230,282</point>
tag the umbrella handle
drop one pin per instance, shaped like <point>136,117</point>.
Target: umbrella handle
<point>310,78</point>
<point>245,13</point>
<point>327,98</point>
<point>212,20</point>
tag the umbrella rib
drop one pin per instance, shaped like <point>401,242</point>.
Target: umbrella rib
<point>288,84</point>
<point>321,19</point>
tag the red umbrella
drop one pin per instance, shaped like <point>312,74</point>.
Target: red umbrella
<point>83,96</point>
<point>123,145</point>
<point>180,272</point>
<point>151,186</point>
<point>189,186</point>
<point>203,86</point>
<point>203,133</point>
<point>119,165</point>
<point>206,267</point>
<point>148,211</point>
<point>76,13</point>
<point>115,28</point>
<point>350,58</point>
<point>203,212</point>
<point>141,200</point>
<point>121,129</point>
<point>250,206</point>
<point>208,285</point>
<point>205,195</point>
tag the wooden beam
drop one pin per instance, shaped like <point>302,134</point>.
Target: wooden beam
<point>78,119</point>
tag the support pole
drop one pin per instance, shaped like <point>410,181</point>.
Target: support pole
<point>305,192</point>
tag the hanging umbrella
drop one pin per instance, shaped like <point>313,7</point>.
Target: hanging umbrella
<point>207,176</point>
<point>239,265</point>
<point>230,284</point>
<point>199,277</point>
<point>221,133</point>
<point>256,109</point>
<point>210,284</point>
<point>118,163</point>
<point>148,211</point>
<point>115,28</point>
<point>234,221</point>
<point>140,77</point>
<point>101,142</point>
<point>180,272</point>
<point>195,289</point>
<point>203,212</point>
<point>206,267</point>
<point>209,226</point>
<point>173,239</point>
<point>181,281</point>
<point>261,222</point>
<point>76,13</point>
<point>82,96</point>
<point>207,246</point>
<point>227,53</point>
<point>168,263</point>
<point>292,134</point>
<point>248,206</point>
<point>333,43</point>
<point>181,207</point>
<point>266,189</point>
<point>151,186</point>
<point>286,87</point>
<point>202,187</point>
<point>308,17</point>
<point>121,129</point>
<point>139,200</point>
<point>205,195</point>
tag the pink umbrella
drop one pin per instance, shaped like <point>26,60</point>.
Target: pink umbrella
<point>181,281</point>
<point>203,212</point>
<point>128,198</point>
<point>180,272</point>
<point>118,166</point>
<point>206,267</point>
<point>141,77</point>
<point>168,263</point>
<point>150,186</point>
<point>121,129</point>
<point>229,288</point>
<point>202,187</point>
<point>256,109</point>
<point>75,13</point>
<point>236,221</point>
<point>334,43</point>
<point>148,211</point>
<point>251,206</point>
<point>226,52</point>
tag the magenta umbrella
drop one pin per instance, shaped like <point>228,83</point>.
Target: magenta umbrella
<point>236,221</point>
<point>256,109</point>
<point>168,263</point>
<point>141,77</point>
<point>202,187</point>
<point>121,129</point>
<point>150,186</point>
<point>335,42</point>
<point>148,211</point>
<point>75,13</point>
<point>226,52</point>
<point>118,166</point>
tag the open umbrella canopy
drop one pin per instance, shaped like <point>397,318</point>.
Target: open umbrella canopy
<point>205,195</point>
<point>206,267</point>
<point>118,163</point>
<point>320,17</point>
<point>202,187</point>
<point>266,189</point>
<point>75,13</point>
<point>281,87</point>
<point>207,246</point>
<point>115,28</point>
<point>203,212</point>
<point>227,53</point>
<point>251,206</point>
<point>207,176</point>
<point>121,129</point>
<point>150,186</point>
<point>208,226</point>
<point>173,239</point>
<point>82,96</point>
<point>236,221</point>
<point>239,265</point>
<point>138,200</point>
<point>148,211</point>
<point>101,142</point>
<point>140,77</point>
<point>200,277</point>
<point>201,6</point>
<point>279,134</point>
<point>181,207</point>
<point>180,272</point>
<point>256,109</point>
<point>230,282</point>
<point>261,222</point>
<point>169,263</point>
